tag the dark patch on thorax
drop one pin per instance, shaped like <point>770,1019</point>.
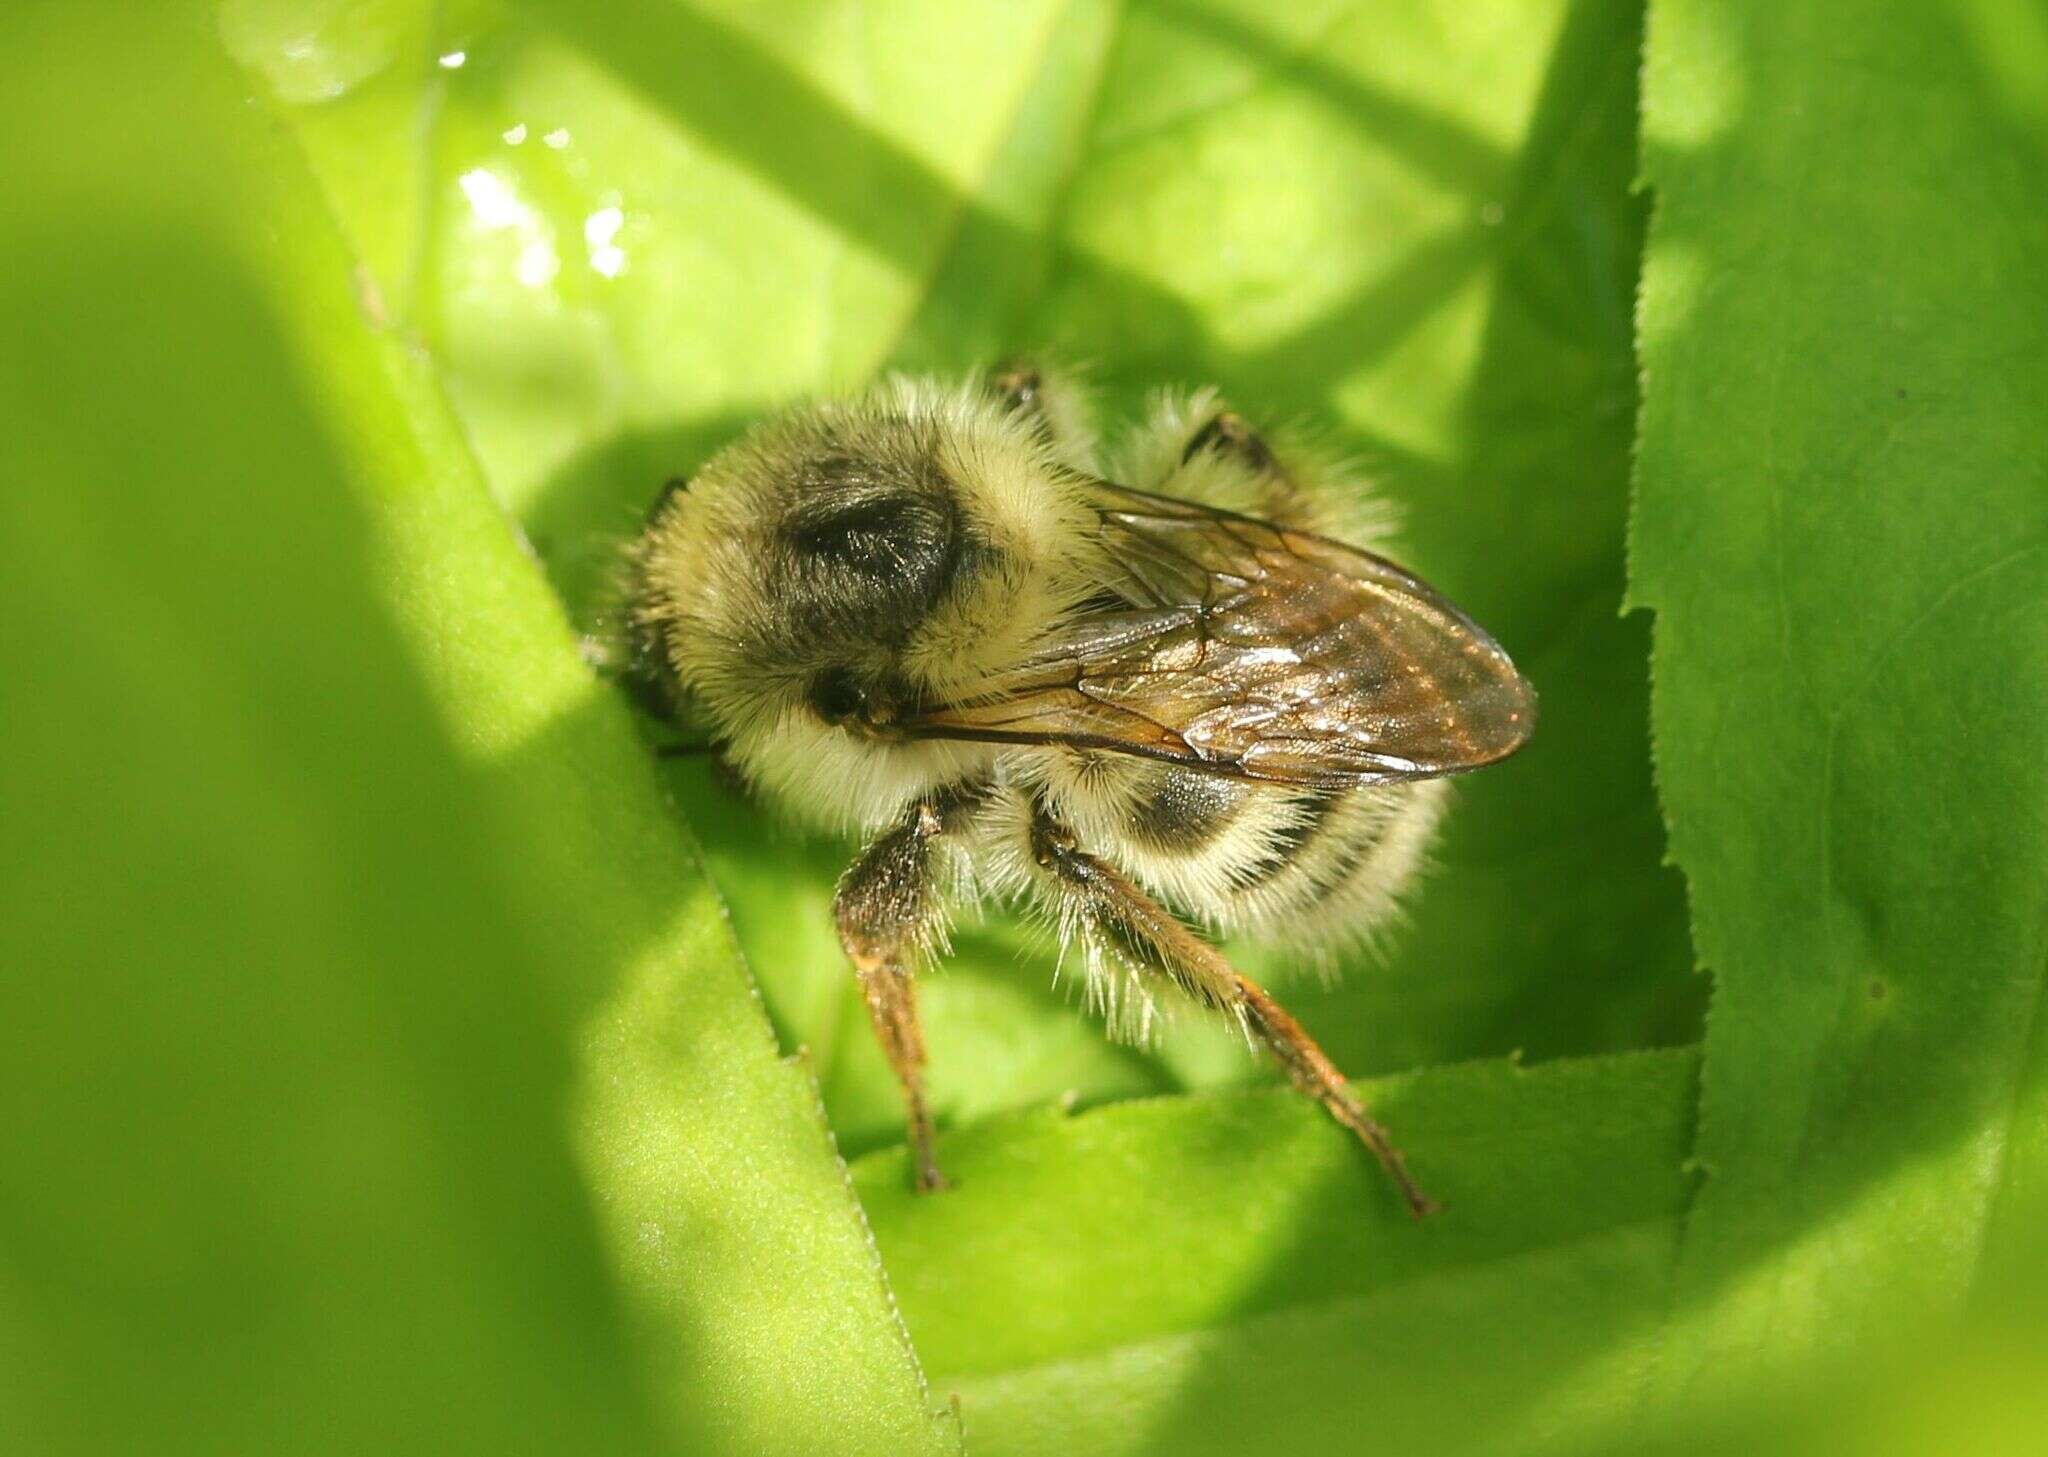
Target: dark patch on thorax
<point>871,546</point>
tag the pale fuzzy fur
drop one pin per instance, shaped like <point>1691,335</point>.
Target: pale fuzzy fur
<point>1338,885</point>
<point>699,557</point>
<point>1319,902</point>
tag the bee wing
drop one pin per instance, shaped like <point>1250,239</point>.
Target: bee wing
<point>1256,651</point>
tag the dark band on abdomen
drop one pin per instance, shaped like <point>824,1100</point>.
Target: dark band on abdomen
<point>1292,843</point>
<point>1187,811</point>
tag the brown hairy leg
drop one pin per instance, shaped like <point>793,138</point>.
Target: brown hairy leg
<point>1286,493</point>
<point>1052,401</point>
<point>1020,384</point>
<point>891,914</point>
<point>1228,431</point>
<point>1138,928</point>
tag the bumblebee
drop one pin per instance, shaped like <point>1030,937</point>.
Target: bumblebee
<point>1177,684</point>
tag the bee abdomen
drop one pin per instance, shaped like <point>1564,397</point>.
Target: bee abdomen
<point>1342,875</point>
<point>1187,811</point>
<point>1305,865</point>
<point>1294,844</point>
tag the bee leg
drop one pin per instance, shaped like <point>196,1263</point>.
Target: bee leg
<point>1226,431</point>
<point>1020,386</point>
<point>1134,926</point>
<point>1283,488</point>
<point>891,915</point>
<point>1199,448</point>
<point>1054,403</point>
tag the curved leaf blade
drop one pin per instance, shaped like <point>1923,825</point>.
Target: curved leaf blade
<point>1842,526</point>
<point>461,935</point>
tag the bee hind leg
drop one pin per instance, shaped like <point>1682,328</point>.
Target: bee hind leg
<point>1196,446</point>
<point>1228,433</point>
<point>1131,925</point>
<point>1285,484</point>
<point>891,911</point>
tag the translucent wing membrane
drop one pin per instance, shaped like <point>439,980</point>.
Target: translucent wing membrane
<point>1252,650</point>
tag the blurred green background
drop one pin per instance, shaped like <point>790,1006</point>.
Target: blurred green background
<point>394,1055</point>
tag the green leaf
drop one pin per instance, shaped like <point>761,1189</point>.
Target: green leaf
<point>1843,528</point>
<point>1222,1272</point>
<point>1408,227</point>
<point>380,1074</point>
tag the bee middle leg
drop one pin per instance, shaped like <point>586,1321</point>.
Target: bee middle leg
<point>891,911</point>
<point>1053,402</point>
<point>1110,907</point>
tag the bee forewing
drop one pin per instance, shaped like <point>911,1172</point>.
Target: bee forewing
<point>1260,652</point>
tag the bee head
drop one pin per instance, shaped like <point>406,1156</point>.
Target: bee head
<point>843,566</point>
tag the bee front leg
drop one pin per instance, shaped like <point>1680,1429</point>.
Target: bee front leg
<point>891,912</point>
<point>1131,925</point>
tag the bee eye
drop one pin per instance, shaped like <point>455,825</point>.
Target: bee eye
<point>834,696</point>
